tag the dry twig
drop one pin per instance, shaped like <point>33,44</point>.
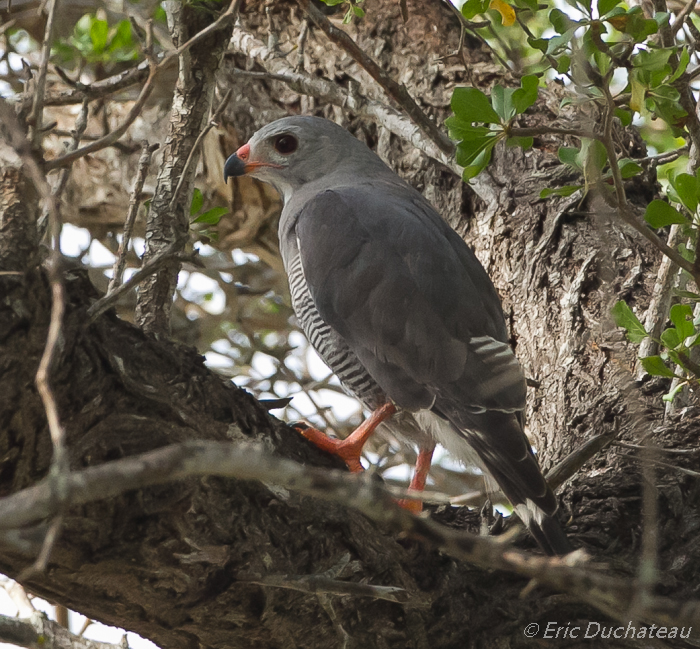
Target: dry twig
<point>119,263</point>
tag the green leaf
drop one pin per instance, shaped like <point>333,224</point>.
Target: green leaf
<point>629,168</point>
<point>122,36</point>
<point>502,100</point>
<point>99,31</point>
<point>460,130</point>
<point>359,12</point>
<point>624,317</point>
<point>670,338</point>
<point>570,156</point>
<point>526,95</point>
<point>472,105</point>
<point>332,3</point>
<point>682,65</point>
<point>540,44</point>
<point>679,316</point>
<point>563,63</point>
<point>473,7</point>
<point>660,214</point>
<point>527,4</point>
<point>688,190</point>
<point>652,60</point>
<point>469,150</point>
<point>689,295</point>
<point>212,216</point>
<point>479,162</point>
<point>197,202</point>
<point>566,190</point>
<point>606,6</point>
<point>655,366</point>
<point>560,21</point>
<point>624,116</point>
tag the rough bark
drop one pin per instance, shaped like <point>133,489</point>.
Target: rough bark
<point>170,563</point>
<point>168,220</point>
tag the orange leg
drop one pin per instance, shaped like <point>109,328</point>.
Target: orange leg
<point>350,448</point>
<point>420,476</point>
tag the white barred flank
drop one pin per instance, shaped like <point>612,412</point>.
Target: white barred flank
<point>330,346</point>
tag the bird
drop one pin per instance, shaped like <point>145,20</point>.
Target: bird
<point>401,310</point>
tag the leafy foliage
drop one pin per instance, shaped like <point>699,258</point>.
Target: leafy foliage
<point>95,41</point>
<point>631,70</point>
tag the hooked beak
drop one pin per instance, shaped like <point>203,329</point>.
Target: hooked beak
<point>240,164</point>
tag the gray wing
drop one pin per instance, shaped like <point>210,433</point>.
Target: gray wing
<point>410,299</point>
<point>414,304</point>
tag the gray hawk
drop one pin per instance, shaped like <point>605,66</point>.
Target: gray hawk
<point>400,309</point>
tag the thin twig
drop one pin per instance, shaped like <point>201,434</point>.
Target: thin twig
<point>680,18</point>
<point>38,632</point>
<point>147,269</point>
<point>396,91</point>
<point>36,116</point>
<point>114,135</point>
<point>321,584</point>
<point>670,451</point>
<point>221,22</point>
<point>81,123</point>
<point>214,121</point>
<point>119,263</point>
<point>136,109</point>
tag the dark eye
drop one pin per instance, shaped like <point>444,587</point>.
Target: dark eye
<point>286,144</point>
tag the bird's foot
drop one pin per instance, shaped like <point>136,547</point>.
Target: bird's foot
<point>420,477</point>
<point>350,448</point>
<point>348,452</point>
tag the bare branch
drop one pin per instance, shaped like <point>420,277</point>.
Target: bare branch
<point>393,120</point>
<point>396,91</point>
<point>168,220</point>
<point>150,267</point>
<point>38,632</point>
<point>320,584</point>
<point>247,461</point>
<point>119,263</point>
<point>112,137</point>
<point>36,116</point>
<point>214,121</point>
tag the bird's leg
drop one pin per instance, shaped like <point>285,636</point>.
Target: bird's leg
<point>350,448</point>
<point>420,476</point>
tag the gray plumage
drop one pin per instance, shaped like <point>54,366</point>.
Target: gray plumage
<point>399,307</point>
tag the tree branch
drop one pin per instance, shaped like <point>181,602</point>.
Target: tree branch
<point>168,223</point>
<point>396,91</point>
<point>393,120</point>
<point>38,632</point>
<point>246,461</point>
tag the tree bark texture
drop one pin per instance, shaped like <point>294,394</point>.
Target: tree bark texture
<point>168,221</point>
<point>171,562</point>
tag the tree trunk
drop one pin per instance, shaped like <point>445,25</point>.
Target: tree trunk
<point>175,563</point>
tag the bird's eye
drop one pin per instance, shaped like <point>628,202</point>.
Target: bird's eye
<point>286,144</point>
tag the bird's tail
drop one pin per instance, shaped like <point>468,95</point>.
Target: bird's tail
<point>550,536</point>
<point>505,452</point>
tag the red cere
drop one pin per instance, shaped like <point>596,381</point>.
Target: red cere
<point>244,152</point>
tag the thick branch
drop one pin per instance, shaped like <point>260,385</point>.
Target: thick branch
<point>168,224</point>
<point>39,632</point>
<point>327,91</point>
<point>250,462</point>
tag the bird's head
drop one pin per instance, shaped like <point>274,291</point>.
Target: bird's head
<point>294,151</point>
